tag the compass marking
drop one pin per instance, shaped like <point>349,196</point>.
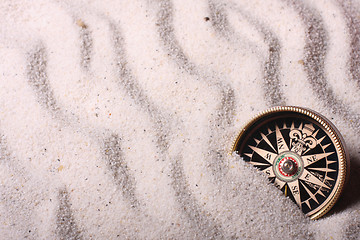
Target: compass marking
<point>269,171</point>
<point>291,128</point>
<point>315,133</point>
<point>248,154</point>
<point>309,177</point>
<point>320,140</point>
<point>266,155</point>
<point>323,169</point>
<point>259,163</point>
<point>301,125</point>
<point>331,161</point>
<point>307,203</point>
<point>312,196</point>
<point>325,146</point>
<point>310,159</point>
<point>281,144</point>
<point>275,139</point>
<point>295,190</point>
<point>267,141</point>
<point>278,183</point>
<point>321,193</point>
<point>329,178</point>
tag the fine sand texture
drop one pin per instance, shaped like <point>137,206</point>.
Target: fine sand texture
<point>117,117</point>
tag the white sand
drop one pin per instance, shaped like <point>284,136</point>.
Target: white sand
<point>116,117</point>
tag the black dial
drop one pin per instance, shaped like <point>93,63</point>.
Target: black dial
<point>302,154</point>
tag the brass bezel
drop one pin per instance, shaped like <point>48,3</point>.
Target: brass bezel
<point>344,163</point>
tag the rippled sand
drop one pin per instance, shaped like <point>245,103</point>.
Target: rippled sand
<point>117,117</point>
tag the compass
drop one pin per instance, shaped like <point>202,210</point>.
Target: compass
<point>301,152</point>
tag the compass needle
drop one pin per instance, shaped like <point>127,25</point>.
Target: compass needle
<point>301,152</point>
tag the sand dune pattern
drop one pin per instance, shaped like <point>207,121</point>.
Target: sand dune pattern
<point>124,123</point>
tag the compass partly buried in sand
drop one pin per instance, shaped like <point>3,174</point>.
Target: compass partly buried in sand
<point>301,152</point>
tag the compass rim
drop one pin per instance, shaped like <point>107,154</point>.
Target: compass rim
<point>334,134</point>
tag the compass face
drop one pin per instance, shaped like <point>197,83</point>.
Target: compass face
<point>300,152</point>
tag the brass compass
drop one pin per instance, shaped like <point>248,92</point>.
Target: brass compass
<point>301,152</point>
